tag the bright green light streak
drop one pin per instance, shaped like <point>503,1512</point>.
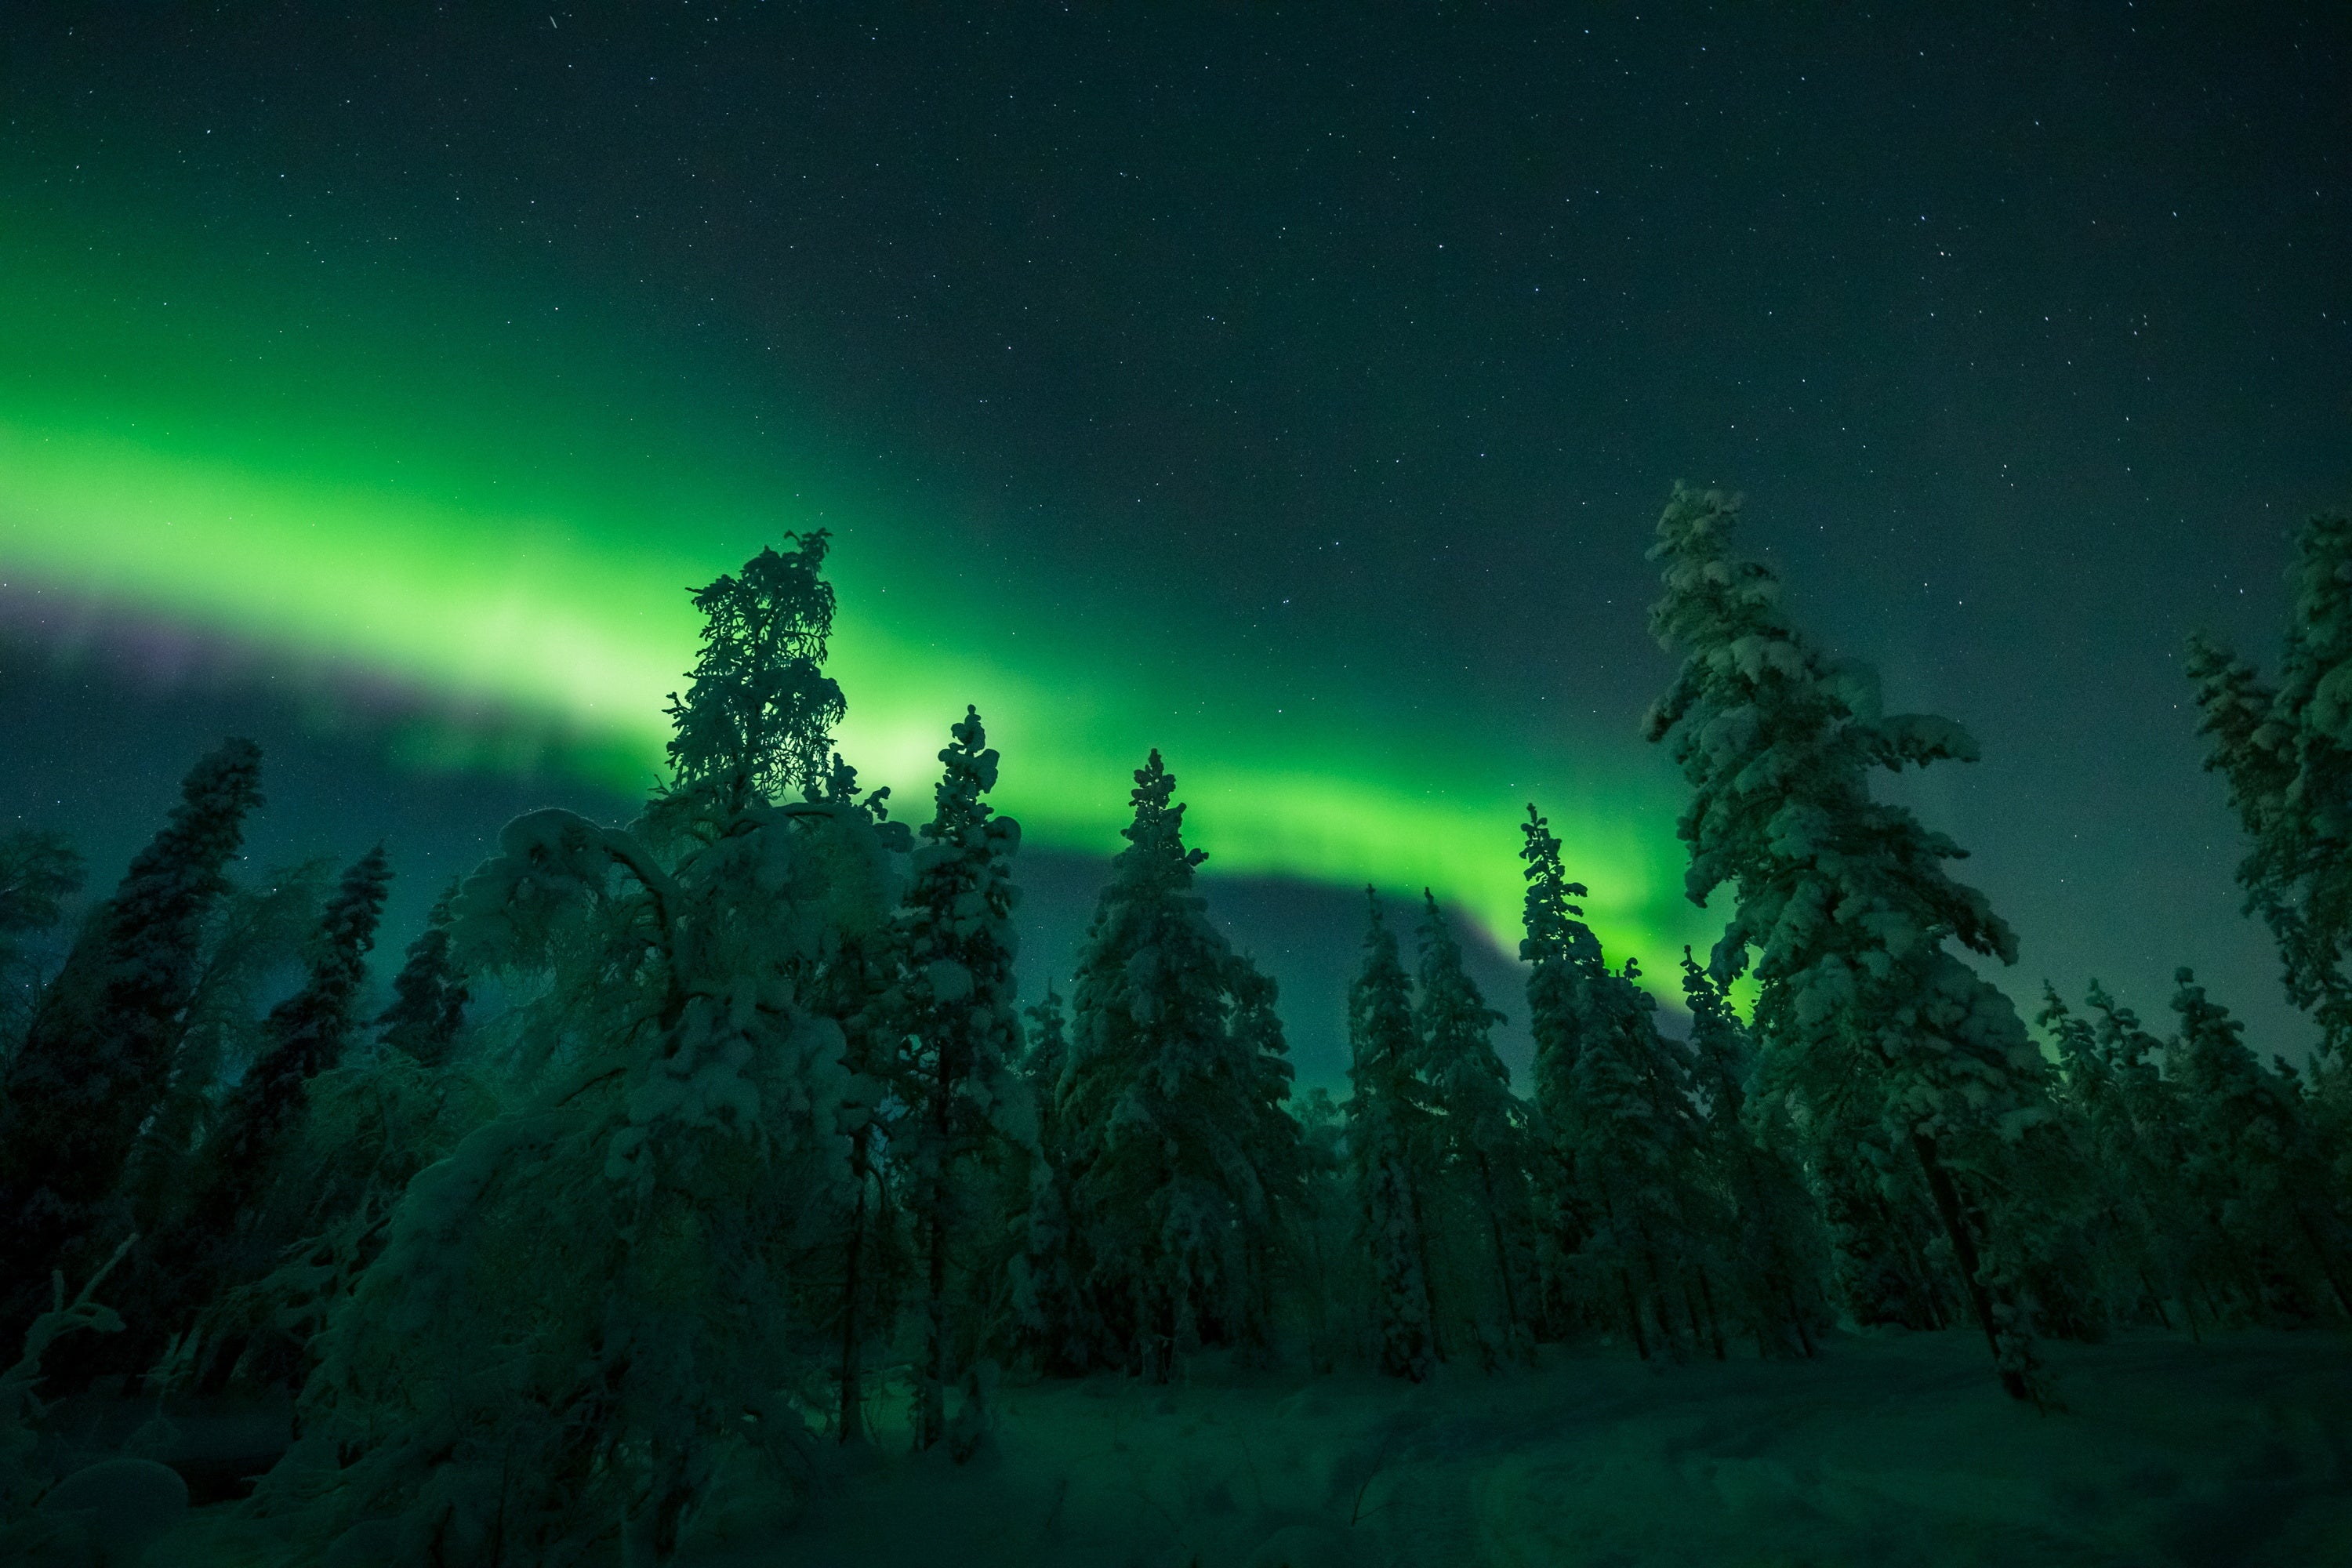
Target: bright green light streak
<point>362,495</point>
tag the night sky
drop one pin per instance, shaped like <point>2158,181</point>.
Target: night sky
<point>1294,390</point>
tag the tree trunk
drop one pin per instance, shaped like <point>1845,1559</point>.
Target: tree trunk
<point>1502,1248</point>
<point>1633,1313</point>
<point>931,1414</point>
<point>1964,1247</point>
<point>852,1392</point>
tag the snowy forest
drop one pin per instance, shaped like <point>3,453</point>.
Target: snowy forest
<point>707,1191</point>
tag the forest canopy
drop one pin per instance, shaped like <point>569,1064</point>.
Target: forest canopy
<point>678,1159</point>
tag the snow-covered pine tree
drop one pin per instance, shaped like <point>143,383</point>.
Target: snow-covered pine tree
<point>1173,1156</point>
<point>1846,903</point>
<point>1616,1098</point>
<point>429,994</point>
<point>1480,1126</point>
<point>99,1054</point>
<point>595,1307</point>
<point>1775,1252</point>
<point>1389,1141</point>
<point>2253,1165</point>
<point>2286,752</point>
<point>221,1233</point>
<point>967,1111</point>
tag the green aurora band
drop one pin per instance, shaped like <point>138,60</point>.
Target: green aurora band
<point>498,503</point>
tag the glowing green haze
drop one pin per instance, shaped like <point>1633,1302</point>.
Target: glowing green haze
<point>499,503</point>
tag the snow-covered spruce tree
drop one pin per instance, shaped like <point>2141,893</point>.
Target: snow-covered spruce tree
<point>1050,1328</point>
<point>38,871</point>
<point>1177,1147</point>
<point>1389,1140</point>
<point>968,1112</point>
<point>1845,904</point>
<point>1480,1126</point>
<point>586,1316</point>
<point>1775,1252</point>
<point>2255,1166</point>
<point>221,1231</point>
<point>99,1053</point>
<point>1616,1101</point>
<point>429,994</point>
<point>2286,752</point>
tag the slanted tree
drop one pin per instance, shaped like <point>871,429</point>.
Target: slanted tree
<point>2286,752</point>
<point>1389,1138</point>
<point>1173,1157</point>
<point>99,1054</point>
<point>221,1231</point>
<point>967,1111</point>
<point>429,994</point>
<point>255,933</point>
<point>1844,904</point>
<point>594,1306</point>
<point>1480,1125</point>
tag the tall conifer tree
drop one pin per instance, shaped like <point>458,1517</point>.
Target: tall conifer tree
<point>219,1234</point>
<point>429,994</point>
<point>1844,902</point>
<point>1481,1125</point>
<point>1176,1166</point>
<point>954,993</point>
<point>1388,1138</point>
<point>583,1315</point>
<point>2287,752</point>
<point>1048,1305</point>
<point>1615,1099</point>
<point>99,1055</point>
<point>2255,1167</point>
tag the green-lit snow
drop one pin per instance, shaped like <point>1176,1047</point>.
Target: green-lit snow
<point>1890,1451</point>
<point>1896,1450</point>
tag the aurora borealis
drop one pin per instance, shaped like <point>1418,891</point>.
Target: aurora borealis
<point>1292,394</point>
<point>522,538</point>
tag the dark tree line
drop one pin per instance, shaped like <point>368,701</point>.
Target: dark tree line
<point>759,1152</point>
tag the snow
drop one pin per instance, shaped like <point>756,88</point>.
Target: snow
<point>1894,1449</point>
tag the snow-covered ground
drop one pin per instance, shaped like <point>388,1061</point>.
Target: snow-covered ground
<point>1896,1450</point>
